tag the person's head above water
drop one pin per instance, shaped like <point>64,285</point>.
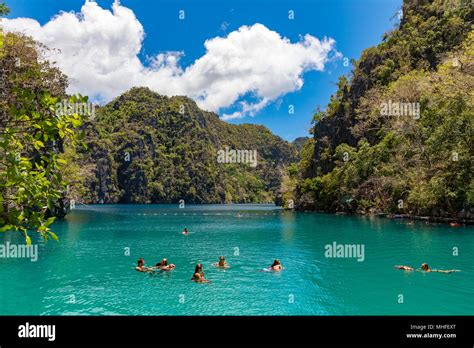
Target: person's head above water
<point>185,229</point>
<point>276,262</point>
<point>198,268</point>
<point>163,262</point>
<point>221,258</point>
<point>140,262</point>
<point>425,267</point>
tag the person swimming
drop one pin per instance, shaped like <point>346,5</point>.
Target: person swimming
<point>276,266</point>
<point>198,275</point>
<point>222,263</point>
<point>185,232</point>
<point>168,268</point>
<point>164,266</point>
<point>162,263</point>
<point>425,268</point>
<point>141,266</point>
<point>405,268</point>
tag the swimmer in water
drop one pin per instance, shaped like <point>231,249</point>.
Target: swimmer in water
<point>198,275</point>
<point>238,215</point>
<point>168,268</point>
<point>162,263</point>
<point>276,266</point>
<point>426,268</point>
<point>164,266</point>
<point>405,268</point>
<point>141,266</point>
<point>185,232</point>
<point>222,263</point>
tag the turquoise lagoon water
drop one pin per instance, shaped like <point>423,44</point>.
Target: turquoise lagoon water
<point>89,273</point>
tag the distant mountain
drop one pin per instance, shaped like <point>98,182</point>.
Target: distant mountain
<point>147,148</point>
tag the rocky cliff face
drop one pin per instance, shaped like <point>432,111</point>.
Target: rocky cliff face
<point>438,34</point>
<point>378,66</point>
<point>363,160</point>
<point>148,148</point>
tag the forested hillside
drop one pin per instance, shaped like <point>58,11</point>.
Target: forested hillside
<point>397,136</point>
<point>146,148</point>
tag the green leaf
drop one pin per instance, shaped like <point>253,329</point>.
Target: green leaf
<point>54,236</point>
<point>6,228</point>
<point>49,221</point>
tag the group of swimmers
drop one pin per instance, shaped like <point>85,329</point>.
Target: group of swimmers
<point>161,266</point>
<point>276,266</point>
<point>198,276</point>
<point>425,268</point>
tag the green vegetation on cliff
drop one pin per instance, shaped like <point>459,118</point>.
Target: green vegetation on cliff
<point>367,159</point>
<point>148,148</point>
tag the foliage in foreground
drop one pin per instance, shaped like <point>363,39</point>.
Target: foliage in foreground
<point>32,137</point>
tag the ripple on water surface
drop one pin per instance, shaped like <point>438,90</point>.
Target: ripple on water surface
<point>91,271</point>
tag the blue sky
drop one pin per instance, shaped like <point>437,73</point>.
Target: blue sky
<point>353,24</point>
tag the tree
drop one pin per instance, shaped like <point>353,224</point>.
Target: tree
<point>34,131</point>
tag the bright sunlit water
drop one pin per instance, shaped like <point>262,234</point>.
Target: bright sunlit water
<point>89,273</point>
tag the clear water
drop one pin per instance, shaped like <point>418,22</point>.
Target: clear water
<point>88,272</point>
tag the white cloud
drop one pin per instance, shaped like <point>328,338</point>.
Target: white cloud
<point>99,52</point>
